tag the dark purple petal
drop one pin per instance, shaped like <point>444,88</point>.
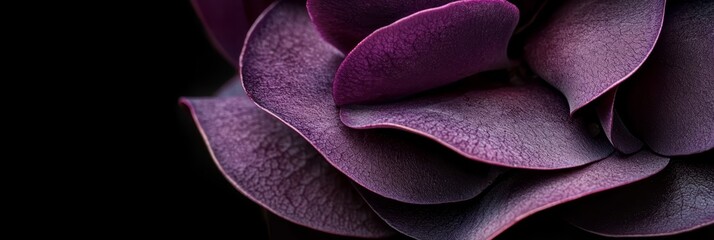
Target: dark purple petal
<point>227,22</point>
<point>287,69</point>
<point>671,103</point>
<point>614,128</point>
<point>516,197</point>
<point>524,126</point>
<point>275,167</point>
<point>344,23</point>
<point>588,47</point>
<point>428,49</point>
<point>679,199</point>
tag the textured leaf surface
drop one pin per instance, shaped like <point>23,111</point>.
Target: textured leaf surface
<point>524,126</point>
<point>429,49</point>
<point>287,69</point>
<point>679,199</point>
<point>275,167</point>
<point>509,201</point>
<point>588,47</point>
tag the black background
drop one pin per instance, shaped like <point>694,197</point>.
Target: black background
<point>133,161</point>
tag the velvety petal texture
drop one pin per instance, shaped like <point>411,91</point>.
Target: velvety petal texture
<point>227,22</point>
<point>679,199</point>
<point>519,195</point>
<point>275,167</point>
<point>615,129</point>
<point>588,47</point>
<point>526,126</point>
<point>671,104</point>
<point>344,23</point>
<point>428,49</point>
<point>287,69</point>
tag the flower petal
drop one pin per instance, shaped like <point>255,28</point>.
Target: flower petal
<point>227,22</point>
<point>671,103</point>
<point>275,167</point>
<point>513,199</point>
<point>344,23</point>
<point>614,128</point>
<point>287,70</point>
<point>679,199</point>
<point>428,49</point>
<point>524,126</point>
<point>590,46</point>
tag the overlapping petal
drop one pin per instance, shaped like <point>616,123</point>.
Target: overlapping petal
<point>588,47</point>
<point>275,167</point>
<point>344,23</point>
<point>428,49</point>
<point>679,199</point>
<point>287,69</point>
<point>227,22</point>
<point>671,103</point>
<point>525,126</point>
<point>516,197</point>
<point>615,129</point>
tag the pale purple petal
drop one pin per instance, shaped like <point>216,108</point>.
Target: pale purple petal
<point>588,47</point>
<point>227,22</point>
<point>429,49</point>
<point>679,199</point>
<point>519,195</point>
<point>615,130</point>
<point>287,69</point>
<point>344,23</point>
<point>525,126</point>
<point>275,167</point>
<point>232,88</point>
<point>671,103</point>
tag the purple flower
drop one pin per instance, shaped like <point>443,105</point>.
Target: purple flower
<point>443,119</point>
